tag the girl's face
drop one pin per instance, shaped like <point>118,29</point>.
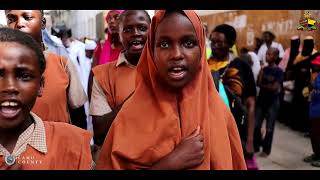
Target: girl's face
<point>176,51</point>
<point>28,21</point>
<point>20,83</point>
<point>113,21</point>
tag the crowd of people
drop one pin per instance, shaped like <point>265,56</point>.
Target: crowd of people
<point>160,93</point>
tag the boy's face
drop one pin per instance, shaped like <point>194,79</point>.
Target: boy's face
<point>20,83</point>
<point>219,45</point>
<point>176,51</point>
<point>271,56</point>
<point>113,21</point>
<point>28,21</point>
<point>133,32</point>
<point>89,53</point>
<point>267,37</point>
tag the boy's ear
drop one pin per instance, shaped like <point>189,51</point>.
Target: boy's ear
<point>41,86</point>
<point>43,23</point>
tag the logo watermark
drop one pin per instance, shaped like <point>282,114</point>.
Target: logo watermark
<point>307,22</point>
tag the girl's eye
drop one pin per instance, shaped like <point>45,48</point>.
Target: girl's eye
<point>189,43</point>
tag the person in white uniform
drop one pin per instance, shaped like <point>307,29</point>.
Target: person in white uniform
<point>90,46</point>
<point>269,41</point>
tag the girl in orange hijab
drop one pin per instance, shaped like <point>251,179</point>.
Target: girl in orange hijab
<point>175,119</point>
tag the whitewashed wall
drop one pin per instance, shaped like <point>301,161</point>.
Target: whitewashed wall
<point>209,12</point>
<point>83,22</point>
<point>86,18</point>
<point>2,18</point>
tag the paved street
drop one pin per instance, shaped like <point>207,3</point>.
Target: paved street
<point>288,150</point>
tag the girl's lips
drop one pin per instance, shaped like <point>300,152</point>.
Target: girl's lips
<point>177,75</point>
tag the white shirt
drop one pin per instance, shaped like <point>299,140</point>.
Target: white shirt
<point>99,104</point>
<point>86,71</point>
<point>256,64</point>
<point>77,55</point>
<point>56,40</point>
<point>263,50</point>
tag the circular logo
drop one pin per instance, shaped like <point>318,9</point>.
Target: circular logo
<point>10,160</point>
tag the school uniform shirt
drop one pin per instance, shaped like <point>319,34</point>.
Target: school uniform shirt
<point>112,84</point>
<point>263,50</point>
<point>51,146</point>
<point>61,87</point>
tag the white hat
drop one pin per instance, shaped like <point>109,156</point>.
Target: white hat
<point>90,45</point>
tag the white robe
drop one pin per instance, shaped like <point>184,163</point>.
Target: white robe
<point>78,56</point>
<point>263,50</point>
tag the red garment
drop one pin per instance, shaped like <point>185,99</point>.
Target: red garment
<point>316,61</point>
<point>109,54</point>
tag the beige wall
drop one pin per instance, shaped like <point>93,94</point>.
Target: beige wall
<point>251,23</point>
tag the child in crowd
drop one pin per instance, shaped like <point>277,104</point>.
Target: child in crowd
<point>27,142</point>
<point>63,86</point>
<point>175,119</point>
<point>268,101</point>
<point>114,82</point>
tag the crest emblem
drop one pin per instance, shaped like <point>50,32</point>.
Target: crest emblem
<point>307,23</point>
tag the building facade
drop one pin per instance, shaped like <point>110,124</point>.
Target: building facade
<point>84,23</point>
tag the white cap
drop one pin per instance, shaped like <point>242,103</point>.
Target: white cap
<point>90,45</point>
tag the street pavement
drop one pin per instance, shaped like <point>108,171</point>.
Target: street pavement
<point>288,150</point>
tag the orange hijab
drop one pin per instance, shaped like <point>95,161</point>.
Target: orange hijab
<point>149,125</point>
